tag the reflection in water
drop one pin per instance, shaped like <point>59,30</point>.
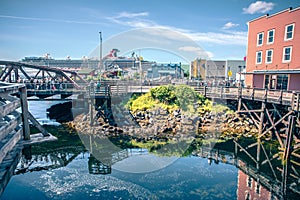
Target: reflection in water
<point>66,170</point>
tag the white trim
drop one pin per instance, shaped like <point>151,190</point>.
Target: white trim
<point>268,50</point>
<point>261,58</point>
<point>268,36</point>
<point>262,39</point>
<point>283,54</point>
<point>272,15</point>
<point>285,32</point>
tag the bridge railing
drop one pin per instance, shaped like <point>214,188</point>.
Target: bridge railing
<point>10,119</point>
<point>49,86</point>
<point>257,94</point>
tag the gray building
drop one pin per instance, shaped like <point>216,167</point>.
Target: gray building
<point>165,70</point>
<point>215,70</point>
<point>233,69</point>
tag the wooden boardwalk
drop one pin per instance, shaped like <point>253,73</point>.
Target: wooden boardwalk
<point>14,129</point>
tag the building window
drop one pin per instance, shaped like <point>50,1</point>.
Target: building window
<point>258,57</point>
<point>270,39</point>
<point>247,195</point>
<point>257,188</point>
<point>289,32</point>
<point>282,82</point>
<point>267,79</point>
<point>269,56</point>
<point>287,54</point>
<point>260,38</point>
<point>249,182</point>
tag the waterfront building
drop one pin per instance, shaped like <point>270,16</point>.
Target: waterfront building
<point>234,70</point>
<point>197,69</point>
<point>217,70</point>
<point>165,70</point>
<point>273,59</point>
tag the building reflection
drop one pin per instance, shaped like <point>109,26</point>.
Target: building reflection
<point>252,188</point>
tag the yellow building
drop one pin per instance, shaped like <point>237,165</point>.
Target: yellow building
<point>197,69</point>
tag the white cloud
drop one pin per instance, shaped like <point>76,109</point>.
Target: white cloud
<point>200,52</point>
<point>131,15</point>
<point>178,34</point>
<point>259,7</point>
<point>227,38</point>
<point>229,25</point>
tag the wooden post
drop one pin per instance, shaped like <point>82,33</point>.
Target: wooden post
<point>293,101</point>
<point>297,102</point>
<point>287,153</point>
<point>239,103</point>
<point>221,92</point>
<point>262,116</point>
<point>204,91</point>
<point>260,129</point>
<point>258,154</point>
<point>24,114</point>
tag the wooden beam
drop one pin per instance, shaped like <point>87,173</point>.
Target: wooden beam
<point>268,160</point>
<point>37,74</point>
<point>276,132</point>
<point>279,121</point>
<point>242,149</point>
<point>254,120</point>
<point>9,127</point>
<point>7,74</point>
<point>25,74</point>
<point>10,107</point>
<point>37,124</point>
<point>3,71</point>
<point>24,107</point>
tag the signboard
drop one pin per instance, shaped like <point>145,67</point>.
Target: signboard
<point>229,73</point>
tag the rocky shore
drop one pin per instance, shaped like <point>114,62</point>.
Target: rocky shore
<point>161,125</point>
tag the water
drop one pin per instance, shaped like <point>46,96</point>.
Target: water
<point>38,109</point>
<point>66,170</point>
<point>186,178</point>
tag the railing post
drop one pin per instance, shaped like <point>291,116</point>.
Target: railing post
<point>293,101</point>
<point>222,92</point>
<point>297,102</point>
<point>280,98</point>
<point>24,114</point>
<point>205,88</point>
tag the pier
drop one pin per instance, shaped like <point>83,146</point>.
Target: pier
<point>14,129</point>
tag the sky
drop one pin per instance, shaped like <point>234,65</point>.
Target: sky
<point>162,31</point>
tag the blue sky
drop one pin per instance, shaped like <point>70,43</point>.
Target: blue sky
<point>218,28</point>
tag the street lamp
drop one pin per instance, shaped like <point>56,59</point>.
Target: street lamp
<point>100,53</point>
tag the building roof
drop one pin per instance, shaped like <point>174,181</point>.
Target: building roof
<point>282,71</point>
<point>269,16</point>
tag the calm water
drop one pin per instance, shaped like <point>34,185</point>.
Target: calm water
<point>65,170</point>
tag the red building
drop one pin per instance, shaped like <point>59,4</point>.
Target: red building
<point>273,54</point>
<point>249,188</point>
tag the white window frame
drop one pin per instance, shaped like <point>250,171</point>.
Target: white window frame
<point>283,54</point>
<point>285,32</point>
<point>260,57</point>
<point>262,39</point>
<point>268,36</point>
<point>269,50</point>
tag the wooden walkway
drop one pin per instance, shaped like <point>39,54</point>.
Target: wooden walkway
<point>14,129</point>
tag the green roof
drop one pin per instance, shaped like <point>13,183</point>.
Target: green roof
<point>85,71</point>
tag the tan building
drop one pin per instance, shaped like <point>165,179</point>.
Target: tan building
<point>197,69</point>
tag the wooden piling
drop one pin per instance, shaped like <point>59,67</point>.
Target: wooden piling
<point>24,114</point>
<point>287,153</point>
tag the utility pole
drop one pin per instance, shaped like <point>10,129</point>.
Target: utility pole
<point>100,54</point>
